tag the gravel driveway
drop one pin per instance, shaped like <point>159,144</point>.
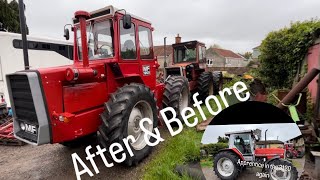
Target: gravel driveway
<point>54,162</point>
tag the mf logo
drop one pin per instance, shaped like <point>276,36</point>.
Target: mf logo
<point>30,128</point>
<point>146,70</point>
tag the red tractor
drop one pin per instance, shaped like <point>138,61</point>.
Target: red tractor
<point>242,149</point>
<point>189,61</point>
<point>291,152</point>
<point>109,88</point>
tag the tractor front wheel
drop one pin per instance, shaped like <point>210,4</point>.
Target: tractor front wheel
<point>176,95</point>
<point>225,165</point>
<point>121,118</point>
<point>205,85</point>
<point>282,169</point>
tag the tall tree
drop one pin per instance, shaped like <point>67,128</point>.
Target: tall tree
<point>247,55</point>
<point>9,16</point>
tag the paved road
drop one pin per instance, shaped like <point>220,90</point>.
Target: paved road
<point>248,174</point>
<point>54,162</point>
<point>299,163</point>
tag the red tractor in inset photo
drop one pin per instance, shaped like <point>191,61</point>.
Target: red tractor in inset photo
<point>109,88</point>
<point>242,148</point>
<point>291,152</point>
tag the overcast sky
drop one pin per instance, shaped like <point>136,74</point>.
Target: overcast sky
<point>238,25</point>
<point>282,131</point>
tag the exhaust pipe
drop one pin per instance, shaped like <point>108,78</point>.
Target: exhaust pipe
<point>165,52</point>
<point>23,29</point>
<point>83,16</point>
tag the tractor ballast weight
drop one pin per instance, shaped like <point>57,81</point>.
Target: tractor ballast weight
<point>109,88</point>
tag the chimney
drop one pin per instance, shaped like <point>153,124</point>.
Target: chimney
<point>178,39</point>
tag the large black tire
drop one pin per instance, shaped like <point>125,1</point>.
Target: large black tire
<point>217,82</point>
<point>231,159</point>
<point>205,85</point>
<point>115,119</point>
<point>277,174</point>
<point>300,154</point>
<point>82,141</point>
<point>176,91</point>
<point>289,154</point>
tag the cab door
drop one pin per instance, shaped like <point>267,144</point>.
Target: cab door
<point>148,62</point>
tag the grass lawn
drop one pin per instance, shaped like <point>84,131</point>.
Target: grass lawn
<point>182,148</point>
<point>296,164</point>
<point>207,162</point>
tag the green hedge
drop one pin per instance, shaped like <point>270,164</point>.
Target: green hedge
<point>213,149</point>
<point>283,51</point>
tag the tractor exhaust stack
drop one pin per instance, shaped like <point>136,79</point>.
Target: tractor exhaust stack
<point>23,30</point>
<point>83,16</point>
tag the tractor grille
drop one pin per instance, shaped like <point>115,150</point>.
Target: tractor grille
<point>22,99</point>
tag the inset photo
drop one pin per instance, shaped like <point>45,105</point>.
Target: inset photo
<point>253,151</point>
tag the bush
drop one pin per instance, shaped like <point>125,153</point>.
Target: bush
<point>283,51</point>
<point>213,149</point>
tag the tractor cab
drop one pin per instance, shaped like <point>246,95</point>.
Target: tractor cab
<point>189,60</point>
<point>189,52</point>
<point>244,142</point>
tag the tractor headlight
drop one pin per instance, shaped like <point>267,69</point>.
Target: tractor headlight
<point>22,126</point>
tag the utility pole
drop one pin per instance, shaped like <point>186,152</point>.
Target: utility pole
<point>165,52</point>
<point>23,30</point>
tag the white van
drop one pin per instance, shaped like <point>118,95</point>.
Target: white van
<point>43,52</point>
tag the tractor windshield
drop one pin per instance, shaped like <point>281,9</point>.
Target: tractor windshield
<point>100,40</point>
<point>184,54</point>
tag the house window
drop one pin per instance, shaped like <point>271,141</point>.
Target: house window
<point>228,61</point>
<point>202,53</point>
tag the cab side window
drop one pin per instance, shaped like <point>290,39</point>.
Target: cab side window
<point>128,49</point>
<point>145,43</point>
<point>202,54</point>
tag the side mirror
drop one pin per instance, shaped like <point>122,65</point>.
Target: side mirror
<point>126,19</point>
<point>66,34</point>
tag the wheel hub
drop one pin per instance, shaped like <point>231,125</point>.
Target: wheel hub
<point>141,109</point>
<point>184,99</point>
<point>225,167</point>
<point>280,174</point>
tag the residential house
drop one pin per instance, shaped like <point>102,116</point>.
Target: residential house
<point>298,143</point>
<point>256,53</point>
<point>159,52</point>
<point>224,58</point>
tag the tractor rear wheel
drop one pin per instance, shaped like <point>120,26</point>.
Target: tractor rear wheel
<point>121,117</point>
<point>217,82</point>
<point>176,95</point>
<point>205,85</point>
<point>282,173</point>
<point>225,165</point>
